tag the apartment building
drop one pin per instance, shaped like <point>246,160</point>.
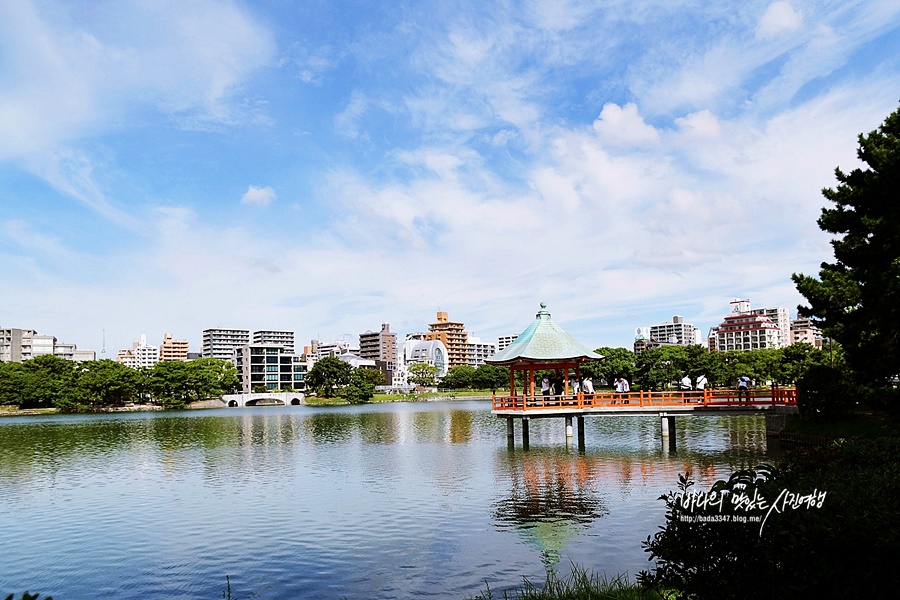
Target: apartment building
<point>285,339</point>
<point>675,333</point>
<point>220,343</point>
<point>452,335</point>
<point>476,351</point>
<point>140,355</point>
<point>316,350</point>
<point>269,366</point>
<point>505,340</point>
<point>746,329</point>
<point>380,347</point>
<point>18,345</point>
<point>803,331</point>
<point>172,349</point>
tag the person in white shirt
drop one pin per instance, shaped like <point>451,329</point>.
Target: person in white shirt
<point>588,387</point>
<point>701,382</point>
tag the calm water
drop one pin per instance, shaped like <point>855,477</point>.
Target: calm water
<point>381,501</point>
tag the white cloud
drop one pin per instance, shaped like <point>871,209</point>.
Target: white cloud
<point>260,196</point>
<point>780,18</point>
<point>623,124</point>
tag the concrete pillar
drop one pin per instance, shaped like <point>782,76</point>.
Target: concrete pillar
<point>568,428</point>
<point>510,432</point>
<point>672,436</point>
<point>581,432</point>
<point>664,424</point>
<point>525,432</point>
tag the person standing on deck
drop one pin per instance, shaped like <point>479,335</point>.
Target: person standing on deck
<point>744,389</point>
<point>588,387</point>
<point>701,385</point>
<point>545,386</point>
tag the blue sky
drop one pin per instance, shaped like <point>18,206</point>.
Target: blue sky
<point>324,167</point>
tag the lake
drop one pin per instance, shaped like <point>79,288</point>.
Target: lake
<point>395,500</point>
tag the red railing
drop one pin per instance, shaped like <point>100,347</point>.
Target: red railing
<point>648,399</point>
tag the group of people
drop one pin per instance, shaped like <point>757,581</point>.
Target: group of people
<point>554,386</point>
<point>686,384</point>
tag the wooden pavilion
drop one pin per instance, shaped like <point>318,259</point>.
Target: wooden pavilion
<point>543,346</point>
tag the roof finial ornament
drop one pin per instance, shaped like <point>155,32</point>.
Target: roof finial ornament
<point>543,313</point>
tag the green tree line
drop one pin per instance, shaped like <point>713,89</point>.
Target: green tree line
<point>52,382</point>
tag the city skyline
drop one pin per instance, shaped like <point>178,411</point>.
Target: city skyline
<point>166,168</point>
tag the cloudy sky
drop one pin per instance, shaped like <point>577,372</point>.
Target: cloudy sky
<point>324,167</point>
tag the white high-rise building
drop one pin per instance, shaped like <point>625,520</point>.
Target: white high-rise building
<point>476,351</point>
<point>285,339</point>
<point>141,354</point>
<point>675,333</point>
<point>220,343</point>
<point>505,340</point>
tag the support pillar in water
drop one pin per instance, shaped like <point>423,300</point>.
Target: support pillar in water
<point>581,432</point>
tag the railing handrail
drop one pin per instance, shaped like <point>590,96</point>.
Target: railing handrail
<point>647,398</point>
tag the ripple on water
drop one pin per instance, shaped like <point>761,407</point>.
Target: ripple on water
<point>397,501</point>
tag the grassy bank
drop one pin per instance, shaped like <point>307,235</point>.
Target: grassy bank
<point>582,584</point>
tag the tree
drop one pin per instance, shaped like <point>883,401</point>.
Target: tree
<point>209,377</point>
<point>50,383</point>
<point>423,374</point>
<point>360,389</point>
<point>373,376</point>
<point>492,377</point>
<point>106,382</point>
<point>166,383</point>
<point>656,368</point>
<point>327,375</point>
<point>856,299</point>
<point>459,377</point>
<point>617,362</point>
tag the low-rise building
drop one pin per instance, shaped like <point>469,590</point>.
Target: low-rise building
<point>18,345</point>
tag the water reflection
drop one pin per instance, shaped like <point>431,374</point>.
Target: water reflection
<point>552,496</point>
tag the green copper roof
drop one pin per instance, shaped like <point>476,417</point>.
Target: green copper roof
<point>543,341</point>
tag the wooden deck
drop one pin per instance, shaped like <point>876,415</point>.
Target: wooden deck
<point>644,402</point>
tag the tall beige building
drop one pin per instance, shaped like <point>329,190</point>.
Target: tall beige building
<point>453,335</point>
<point>172,349</point>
